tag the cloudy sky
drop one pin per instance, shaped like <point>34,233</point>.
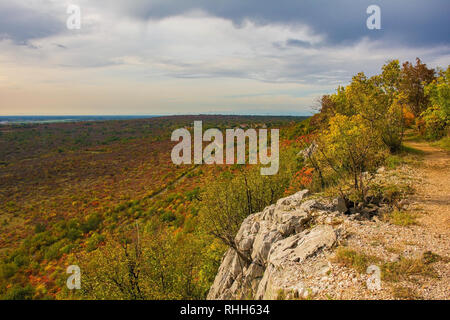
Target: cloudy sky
<point>203,56</point>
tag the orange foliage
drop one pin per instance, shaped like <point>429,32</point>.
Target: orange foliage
<point>408,116</point>
<point>301,180</point>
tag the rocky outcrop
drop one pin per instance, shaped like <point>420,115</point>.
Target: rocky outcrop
<point>277,242</point>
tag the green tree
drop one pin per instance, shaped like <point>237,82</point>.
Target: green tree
<point>349,148</point>
<point>437,117</point>
<point>155,265</point>
<point>392,123</point>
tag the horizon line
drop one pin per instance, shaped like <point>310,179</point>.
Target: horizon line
<point>156,115</point>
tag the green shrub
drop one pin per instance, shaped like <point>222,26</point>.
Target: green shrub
<point>21,259</point>
<point>444,143</point>
<point>168,216</point>
<point>93,242</point>
<point>92,223</point>
<point>435,123</point>
<point>7,270</point>
<point>19,293</point>
<point>393,161</point>
<point>74,234</point>
<point>53,252</point>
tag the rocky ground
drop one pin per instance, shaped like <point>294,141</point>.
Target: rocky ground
<point>307,247</point>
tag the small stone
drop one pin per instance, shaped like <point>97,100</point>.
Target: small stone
<point>255,228</point>
<point>341,205</point>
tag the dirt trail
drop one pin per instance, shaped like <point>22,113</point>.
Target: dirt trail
<point>430,205</point>
<point>433,193</point>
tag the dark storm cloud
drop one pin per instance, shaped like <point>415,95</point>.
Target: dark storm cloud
<point>411,22</point>
<point>297,43</point>
<point>408,22</point>
<point>21,24</point>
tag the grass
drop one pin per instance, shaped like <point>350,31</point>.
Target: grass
<point>444,143</point>
<point>406,155</point>
<point>406,267</point>
<point>391,192</point>
<point>390,271</point>
<point>405,293</point>
<point>396,250</point>
<point>411,150</point>
<point>431,257</point>
<point>354,259</point>
<point>412,135</point>
<point>394,161</point>
<point>281,294</point>
<point>401,218</point>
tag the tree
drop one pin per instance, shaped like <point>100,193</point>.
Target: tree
<point>413,81</point>
<point>438,91</point>
<point>156,264</point>
<point>378,101</point>
<point>231,198</point>
<point>392,124</point>
<point>349,148</point>
<point>326,110</point>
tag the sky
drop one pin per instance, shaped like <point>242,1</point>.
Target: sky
<point>203,56</point>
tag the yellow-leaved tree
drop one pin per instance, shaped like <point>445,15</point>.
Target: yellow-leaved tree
<point>349,148</point>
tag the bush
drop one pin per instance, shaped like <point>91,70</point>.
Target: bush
<point>39,227</point>
<point>74,234</point>
<point>19,293</point>
<point>7,270</point>
<point>437,117</point>
<point>405,293</point>
<point>21,259</point>
<point>92,223</point>
<point>93,242</point>
<point>435,123</point>
<point>444,143</point>
<point>158,265</point>
<point>53,252</point>
<point>168,216</point>
<point>348,149</point>
<point>231,198</point>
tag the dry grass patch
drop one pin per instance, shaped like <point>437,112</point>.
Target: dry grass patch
<point>404,268</point>
<point>354,259</point>
<point>405,293</point>
<point>401,218</point>
<point>431,257</point>
<point>396,250</point>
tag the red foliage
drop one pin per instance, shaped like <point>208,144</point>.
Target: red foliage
<point>301,180</point>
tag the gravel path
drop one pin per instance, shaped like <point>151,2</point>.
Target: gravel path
<point>389,242</point>
<point>434,193</point>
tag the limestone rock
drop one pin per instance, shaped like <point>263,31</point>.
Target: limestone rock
<point>272,239</point>
<point>299,247</point>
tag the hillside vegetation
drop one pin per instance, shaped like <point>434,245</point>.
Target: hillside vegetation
<point>107,197</point>
<point>79,193</point>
